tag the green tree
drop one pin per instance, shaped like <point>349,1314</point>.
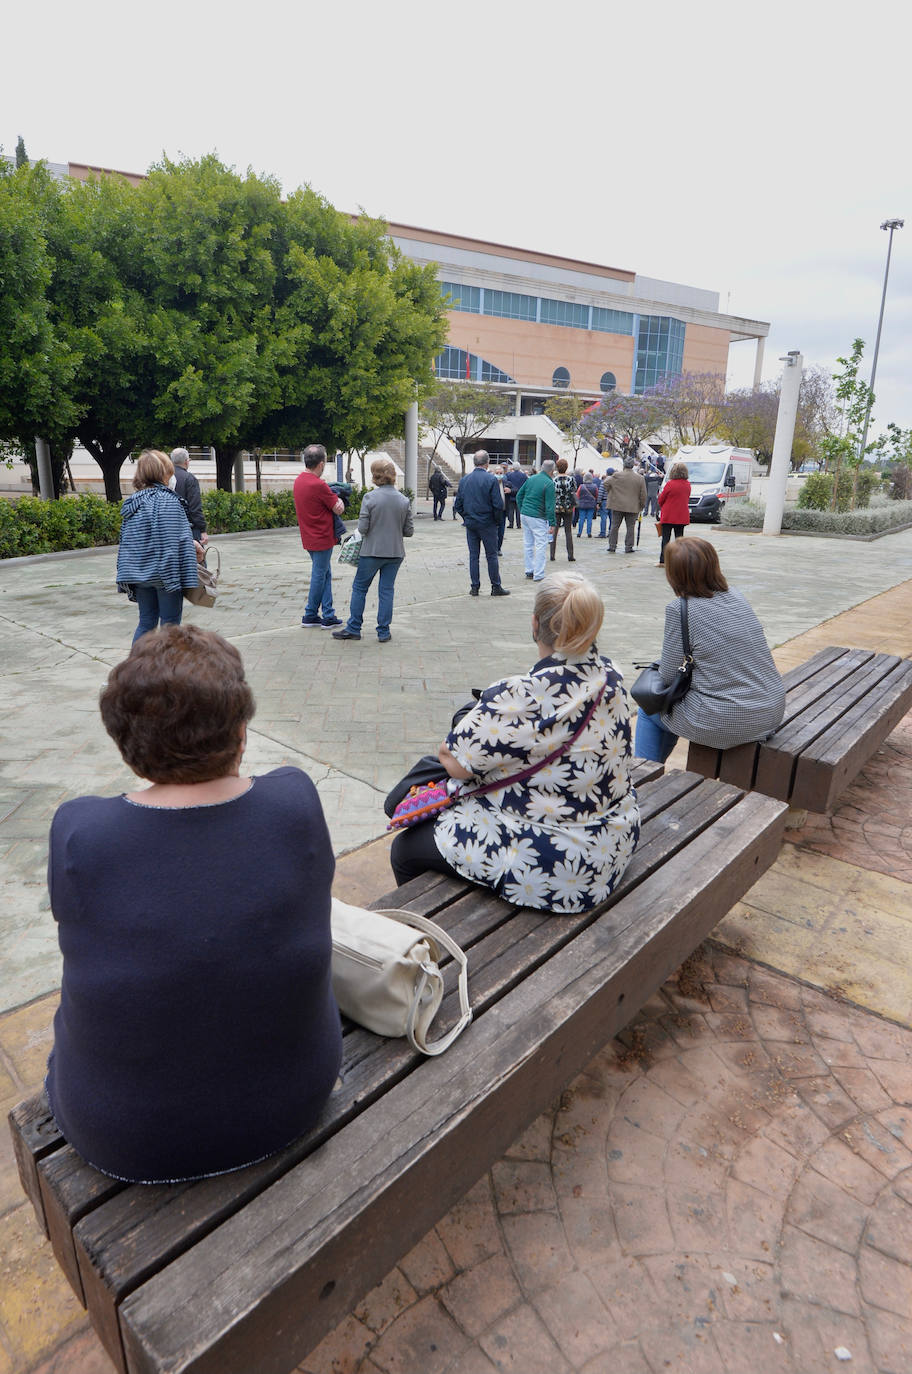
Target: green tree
<point>357,327</point>
<point>694,405</point>
<point>37,363</point>
<point>841,448</point>
<point>634,418</point>
<point>568,412</point>
<point>22,157</point>
<point>464,411</point>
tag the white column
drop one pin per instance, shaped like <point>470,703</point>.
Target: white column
<point>411,450</point>
<point>538,459</point>
<point>758,362</point>
<point>782,444</point>
<point>239,472</point>
<point>45,473</point>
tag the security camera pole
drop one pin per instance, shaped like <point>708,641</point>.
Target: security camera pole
<point>782,444</point>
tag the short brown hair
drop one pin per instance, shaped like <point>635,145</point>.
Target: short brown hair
<point>692,568</point>
<point>176,706</point>
<point>383,472</point>
<point>561,465</point>
<point>678,470</point>
<point>151,467</point>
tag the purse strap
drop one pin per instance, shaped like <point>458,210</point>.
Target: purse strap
<point>500,783</point>
<point>685,636</point>
<point>410,918</point>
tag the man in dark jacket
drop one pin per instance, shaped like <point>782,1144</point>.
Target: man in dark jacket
<point>188,489</point>
<point>512,482</point>
<point>479,502</point>
<point>438,487</point>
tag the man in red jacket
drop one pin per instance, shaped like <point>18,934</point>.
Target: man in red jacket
<point>315,506</point>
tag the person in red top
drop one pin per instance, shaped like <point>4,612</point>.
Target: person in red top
<point>674,506</point>
<point>315,506</point>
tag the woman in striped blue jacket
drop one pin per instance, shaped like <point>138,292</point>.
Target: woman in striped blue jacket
<point>158,555</point>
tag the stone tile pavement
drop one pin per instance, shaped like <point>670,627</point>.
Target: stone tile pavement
<point>728,1185</point>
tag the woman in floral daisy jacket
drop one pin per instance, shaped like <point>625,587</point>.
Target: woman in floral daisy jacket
<point>560,839</point>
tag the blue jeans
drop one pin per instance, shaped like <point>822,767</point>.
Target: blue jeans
<point>365,573</point>
<point>604,517</point>
<point>652,740</point>
<point>476,535</point>
<point>585,521</point>
<point>321,589</point>
<point>155,604</point>
<point>536,543</point>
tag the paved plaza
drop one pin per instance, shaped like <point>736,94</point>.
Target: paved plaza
<point>729,1184</point>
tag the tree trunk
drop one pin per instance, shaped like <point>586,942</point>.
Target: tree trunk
<point>110,456</point>
<point>224,467</point>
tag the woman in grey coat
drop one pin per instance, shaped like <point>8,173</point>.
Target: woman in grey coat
<point>385,520</point>
<point>736,693</point>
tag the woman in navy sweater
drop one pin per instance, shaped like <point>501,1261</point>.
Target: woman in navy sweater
<point>197,1030</point>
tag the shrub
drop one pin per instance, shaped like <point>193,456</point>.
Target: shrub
<point>901,484</point>
<point>879,518</point>
<point>817,492</point>
<point>29,525</point>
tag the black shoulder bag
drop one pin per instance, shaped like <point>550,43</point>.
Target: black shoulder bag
<point>654,696</point>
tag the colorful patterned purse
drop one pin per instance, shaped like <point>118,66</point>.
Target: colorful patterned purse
<point>421,803</point>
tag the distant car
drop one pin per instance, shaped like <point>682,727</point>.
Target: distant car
<point>806,468</point>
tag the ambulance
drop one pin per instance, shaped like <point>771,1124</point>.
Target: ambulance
<point>718,473</point>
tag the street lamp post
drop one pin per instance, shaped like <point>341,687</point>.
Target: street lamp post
<point>890,224</point>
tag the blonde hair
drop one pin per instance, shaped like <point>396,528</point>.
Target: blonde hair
<point>383,472</point>
<point>678,470</point>
<point>569,612</point>
<point>151,467</point>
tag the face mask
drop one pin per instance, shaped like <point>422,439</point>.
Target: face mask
<point>172,482</point>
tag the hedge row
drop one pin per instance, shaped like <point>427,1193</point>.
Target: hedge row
<point>746,515</point>
<point>29,525</point>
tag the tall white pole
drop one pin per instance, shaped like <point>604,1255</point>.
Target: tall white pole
<point>782,444</point>
<point>411,450</point>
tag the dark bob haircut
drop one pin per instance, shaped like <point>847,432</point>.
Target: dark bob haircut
<point>176,706</point>
<point>692,568</point>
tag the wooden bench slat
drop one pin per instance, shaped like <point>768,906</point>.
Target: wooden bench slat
<point>777,757</point>
<point>35,1135</point>
<point>827,767</point>
<point>110,1262</point>
<point>70,1189</point>
<point>262,1289</point>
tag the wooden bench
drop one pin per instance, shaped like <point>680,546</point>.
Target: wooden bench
<point>250,1270</point>
<point>839,708</point>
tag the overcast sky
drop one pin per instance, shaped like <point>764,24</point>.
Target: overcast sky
<point>746,149</point>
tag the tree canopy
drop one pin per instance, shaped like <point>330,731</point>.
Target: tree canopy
<point>464,411</point>
<point>199,307</point>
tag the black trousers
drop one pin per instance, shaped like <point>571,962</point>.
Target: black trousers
<point>564,518</point>
<point>413,852</point>
<point>666,536</point>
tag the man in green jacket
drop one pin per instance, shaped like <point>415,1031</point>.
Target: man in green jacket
<point>535,503</point>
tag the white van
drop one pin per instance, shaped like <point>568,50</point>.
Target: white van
<point>717,473</point>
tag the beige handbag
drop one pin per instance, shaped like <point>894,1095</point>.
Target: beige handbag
<point>206,591</point>
<point>385,973</point>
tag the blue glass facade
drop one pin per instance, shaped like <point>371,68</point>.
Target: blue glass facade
<point>456,365</point>
<point>659,350</point>
<point>658,339</point>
